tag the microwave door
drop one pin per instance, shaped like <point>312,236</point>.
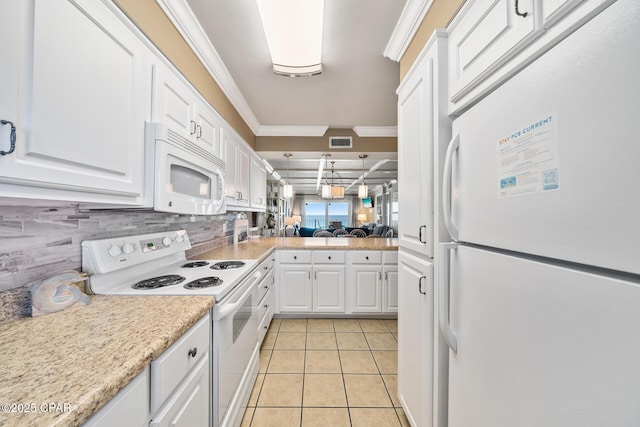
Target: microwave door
<point>186,183</point>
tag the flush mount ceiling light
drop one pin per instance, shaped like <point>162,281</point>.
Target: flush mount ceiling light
<point>287,191</point>
<point>363,190</point>
<point>293,29</point>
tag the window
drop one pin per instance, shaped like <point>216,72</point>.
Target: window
<point>321,214</point>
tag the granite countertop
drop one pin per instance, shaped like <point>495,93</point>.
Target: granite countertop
<point>258,248</point>
<point>80,358</point>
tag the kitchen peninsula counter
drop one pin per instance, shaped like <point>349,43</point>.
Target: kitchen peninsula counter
<point>258,248</point>
<point>80,358</point>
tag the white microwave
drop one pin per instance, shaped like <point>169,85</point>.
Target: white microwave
<point>186,179</point>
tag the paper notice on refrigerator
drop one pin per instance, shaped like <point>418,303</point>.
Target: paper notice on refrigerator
<point>528,159</point>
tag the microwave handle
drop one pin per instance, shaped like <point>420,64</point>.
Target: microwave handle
<point>220,201</point>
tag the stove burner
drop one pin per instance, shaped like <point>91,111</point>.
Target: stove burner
<point>159,282</point>
<point>195,264</point>
<point>204,282</point>
<point>226,265</point>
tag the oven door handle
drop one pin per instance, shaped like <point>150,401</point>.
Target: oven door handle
<point>229,308</point>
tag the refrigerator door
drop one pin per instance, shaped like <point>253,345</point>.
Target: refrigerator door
<point>547,164</point>
<point>541,345</point>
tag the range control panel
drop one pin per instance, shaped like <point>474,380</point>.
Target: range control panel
<point>106,255</point>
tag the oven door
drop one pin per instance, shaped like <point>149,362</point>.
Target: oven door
<point>186,183</point>
<point>236,324</point>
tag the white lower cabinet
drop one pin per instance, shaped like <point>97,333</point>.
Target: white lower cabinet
<point>311,282</point>
<point>415,339</point>
<point>265,296</point>
<point>129,407</point>
<point>373,282</point>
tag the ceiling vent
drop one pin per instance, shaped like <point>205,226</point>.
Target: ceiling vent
<point>340,142</point>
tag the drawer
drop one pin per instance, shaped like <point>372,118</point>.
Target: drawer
<point>263,327</point>
<point>328,257</point>
<point>265,284</point>
<point>295,257</point>
<point>265,304</point>
<point>172,366</point>
<point>365,257</point>
<point>389,257</point>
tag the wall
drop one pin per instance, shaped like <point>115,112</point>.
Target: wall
<point>438,16</point>
<point>42,238</point>
<point>321,143</point>
<point>152,21</point>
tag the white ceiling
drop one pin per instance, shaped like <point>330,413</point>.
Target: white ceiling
<point>356,88</point>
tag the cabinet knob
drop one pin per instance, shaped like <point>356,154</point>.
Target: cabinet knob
<point>367,258</point>
<point>266,267</point>
<point>295,257</point>
<point>193,352</point>
<point>266,306</point>
<point>329,257</point>
<point>266,326</point>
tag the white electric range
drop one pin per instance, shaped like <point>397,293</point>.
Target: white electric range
<point>156,264</point>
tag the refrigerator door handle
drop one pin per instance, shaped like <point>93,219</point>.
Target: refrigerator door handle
<point>445,327</point>
<point>446,187</point>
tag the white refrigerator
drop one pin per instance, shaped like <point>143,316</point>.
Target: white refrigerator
<point>541,193</point>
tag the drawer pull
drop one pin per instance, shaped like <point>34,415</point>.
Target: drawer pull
<point>266,306</point>
<point>266,286</point>
<point>193,352</point>
<point>329,257</point>
<point>266,267</point>
<point>266,326</point>
<point>12,137</point>
<point>295,257</point>
<point>367,258</point>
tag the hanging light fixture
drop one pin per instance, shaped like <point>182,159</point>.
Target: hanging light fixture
<point>326,187</point>
<point>287,191</point>
<point>363,190</point>
<point>332,191</point>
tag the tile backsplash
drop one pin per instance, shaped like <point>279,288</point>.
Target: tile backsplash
<point>43,238</point>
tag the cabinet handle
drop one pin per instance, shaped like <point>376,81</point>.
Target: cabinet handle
<point>329,257</point>
<point>266,286</point>
<point>309,275</point>
<point>12,138</point>
<point>199,131</point>
<point>367,258</point>
<point>193,127</point>
<point>266,267</point>
<point>266,326</point>
<point>386,276</point>
<point>524,15</point>
<point>295,257</point>
<point>193,352</point>
<point>420,233</point>
<point>266,306</point>
<point>420,285</point>
<point>380,275</point>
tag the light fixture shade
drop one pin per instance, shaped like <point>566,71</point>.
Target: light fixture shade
<point>362,217</point>
<point>287,191</point>
<point>326,191</point>
<point>289,221</point>
<point>297,218</point>
<point>293,29</point>
<point>337,192</point>
<point>363,191</point>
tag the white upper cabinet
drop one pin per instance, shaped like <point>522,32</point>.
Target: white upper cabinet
<point>238,171</point>
<point>422,125</point>
<point>492,40</point>
<point>76,80</point>
<point>180,107</point>
<point>258,184</point>
<point>484,36</point>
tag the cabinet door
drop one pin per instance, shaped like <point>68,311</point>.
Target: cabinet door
<point>231,157</point>
<point>484,36</point>
<point>258,184</point>
<point>415,160</point>
<point>14,39</point>
<point>84,83</point>
<point>295,289</point>
<point>208,129</point>
<point>365,283</point>
<point>173,102</point>
<point>189,405</point>
<point>390,289</point>
<point>415,339</point>
<point>328,289</point>
<point>243,176</point>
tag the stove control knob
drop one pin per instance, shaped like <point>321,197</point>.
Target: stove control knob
<point>114,251</point>
<point>166,241</point>
<point>179,238</point>
<point>128,248</point>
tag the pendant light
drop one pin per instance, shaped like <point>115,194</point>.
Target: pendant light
<point>363,190</point>
<point>326,188</point>
<point>287,191</point>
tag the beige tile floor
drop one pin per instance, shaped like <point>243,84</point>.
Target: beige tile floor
<point>327,372</point>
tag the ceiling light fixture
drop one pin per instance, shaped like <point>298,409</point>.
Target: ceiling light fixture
<point>287,191</point>
<point>323,160</point>
<point>293,29</point>
<point>333,191</point>
<point>363,190</point>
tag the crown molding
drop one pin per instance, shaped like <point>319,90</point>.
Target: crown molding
<point>291,130</point>
<point>408,23</point>
<point>182,17</point>
<point>376,131</point>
